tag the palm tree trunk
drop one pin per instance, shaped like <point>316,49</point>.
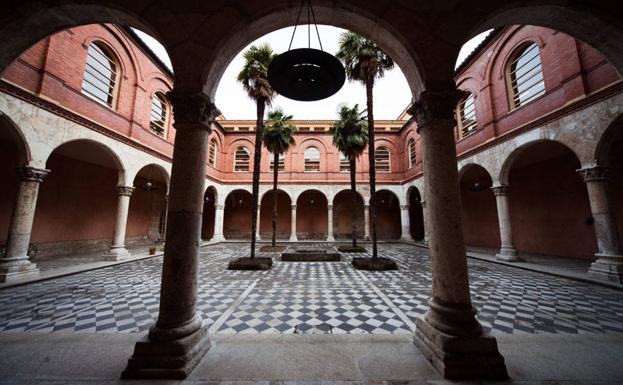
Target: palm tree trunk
<point>275,177</point>
<point>369,88</point>
<point>353,190</point>
<point>257,157</point>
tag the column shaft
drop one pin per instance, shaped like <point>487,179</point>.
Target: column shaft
<point>259,211</point>
<point>117,248</point>
<point>425,221</point>
<point>507,249</point>
<point>366,222</point>
<point>15,263</point>
<point>404,222</point>
<point>293,237</point>
<point>609,263</point>
<point>218,223</point>
<point>330,237</point>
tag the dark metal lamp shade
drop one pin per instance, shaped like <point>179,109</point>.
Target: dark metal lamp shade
<point>306,74</point>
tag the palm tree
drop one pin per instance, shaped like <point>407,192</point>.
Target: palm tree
<point>254,79</point>
<point>277,139</point>
<point>365,61</point>
<point>350,136</point>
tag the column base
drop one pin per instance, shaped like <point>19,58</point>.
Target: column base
<point>460,358</point>
<point>293,239</point>
<point>330,238</point>
<point>17,269</point>
<point>217,238</point>
<point>607,268</point>
<point>507,254</point>
<point>116,254</point>
<point>406,239</point>
<point>172,359</point>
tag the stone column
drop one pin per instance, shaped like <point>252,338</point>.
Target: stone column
<point>425,221</point>
<point>366,222</point>
<point>404,221</point>
<point>449,334</point>
<point>609,263</point>
<point>14,264</point>
<point>179,339</point>
<point>330,237</point>
<point>257,233</point>
<point>293,237</point>
<point>219,216</point>
<point>507,249</point>
<point>117,250</point>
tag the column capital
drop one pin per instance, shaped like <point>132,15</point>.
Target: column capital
<point>423,203</point>
<point>220,207</point>
<point>27,173</point>
<point>366,207</point>
<point>329,207</point>
<point>293,207</point>
<point>589,174</point>
<point>435,106</point>
<point>125,190</point>
<point>404,207</point>
<point>192,109</point>
<point>499,190</point>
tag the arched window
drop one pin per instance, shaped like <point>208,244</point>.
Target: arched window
<point>412,155</point>
<point>312,159</point>
<point>344,163</point>
<point>159,114</point>
<point>212,151</point>
<point>525,75</point>
<point>241,159</point>
<point>101,73</point>
<point>381,159</point>
<point>281,166</point>
<point>466,115</point>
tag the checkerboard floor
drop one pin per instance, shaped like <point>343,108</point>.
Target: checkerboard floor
<point>309,298</point>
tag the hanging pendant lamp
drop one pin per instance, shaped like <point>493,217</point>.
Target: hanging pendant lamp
<point>306,74</point>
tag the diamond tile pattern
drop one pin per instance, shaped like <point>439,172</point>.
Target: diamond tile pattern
<point>309,298</point>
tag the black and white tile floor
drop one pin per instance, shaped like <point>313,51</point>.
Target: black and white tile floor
<point>309,298</point>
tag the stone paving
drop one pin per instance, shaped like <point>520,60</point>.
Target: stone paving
<point>310,298</point>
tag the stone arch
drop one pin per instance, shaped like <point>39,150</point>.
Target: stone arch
<point>343,209</point>
<point>158,169</point>
<point>148,204</point>
<point>210,201</point>
<point>237,215</point>
<point>119,165</point>
<point>9,131</point>
<point>612,134</point>
<point>311,215</point>
<point>416,213</point>
<point>548,201</point>
<point>77,201</point>
<point>478,207</point>
<point>284,214</point>
<point>388,225</point>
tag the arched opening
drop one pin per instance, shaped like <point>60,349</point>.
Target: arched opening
<point>343,208</point>
<point>311,215</point>
<point>146,214</point>
<point>610,154</point>
<point>416,215</point>
<point>548,202</point>
<point>237,216</point>
<point>478,208</point>
<point>77,201</point>
<point>284,215</point>
<point>209,213</point>
<point>387,215</point>
<point>13,153</point>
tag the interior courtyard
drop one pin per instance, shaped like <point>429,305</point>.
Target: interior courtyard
<point>127,193</point>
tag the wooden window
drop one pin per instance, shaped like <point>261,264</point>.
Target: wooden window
<point>381,160</point>
<point>101,73</point>
<point>282,160</point>
<point>241,159</point>
<point>159,114</point>
<point>212,151</point>
<point>312,159</point>
<point>466,115</point>
<point>412,154</point>
<point>344,163</point>
<point>525,75</point>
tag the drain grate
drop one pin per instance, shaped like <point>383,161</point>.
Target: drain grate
<point>304,328</point>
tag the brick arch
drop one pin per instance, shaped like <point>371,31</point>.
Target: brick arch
<point>416,213</point>
<point>614,132</point>
<point>388,224</point>
<point>343,211</point>
<point>284,214</point>
<point>237,215</point>
<point>312,203</point>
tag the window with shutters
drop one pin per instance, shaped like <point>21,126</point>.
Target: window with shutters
<point>282,160</point>
<point>101,74</point>
<point>381,160</point>
<point>525,75</point>
<point>412,154</point>
<point>212,152</point>
<point>241,159</point>
<point>312,159</point>
<point>466,115</point>
<point>159,114</point>
<point>344,163</point>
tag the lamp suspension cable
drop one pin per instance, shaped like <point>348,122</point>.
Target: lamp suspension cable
<point>310,15</point>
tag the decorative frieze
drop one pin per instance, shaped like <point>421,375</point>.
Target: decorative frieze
<point>499,190</point>
<point>28,173</point>
<point>597,173</point>
<point>125,190</point>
